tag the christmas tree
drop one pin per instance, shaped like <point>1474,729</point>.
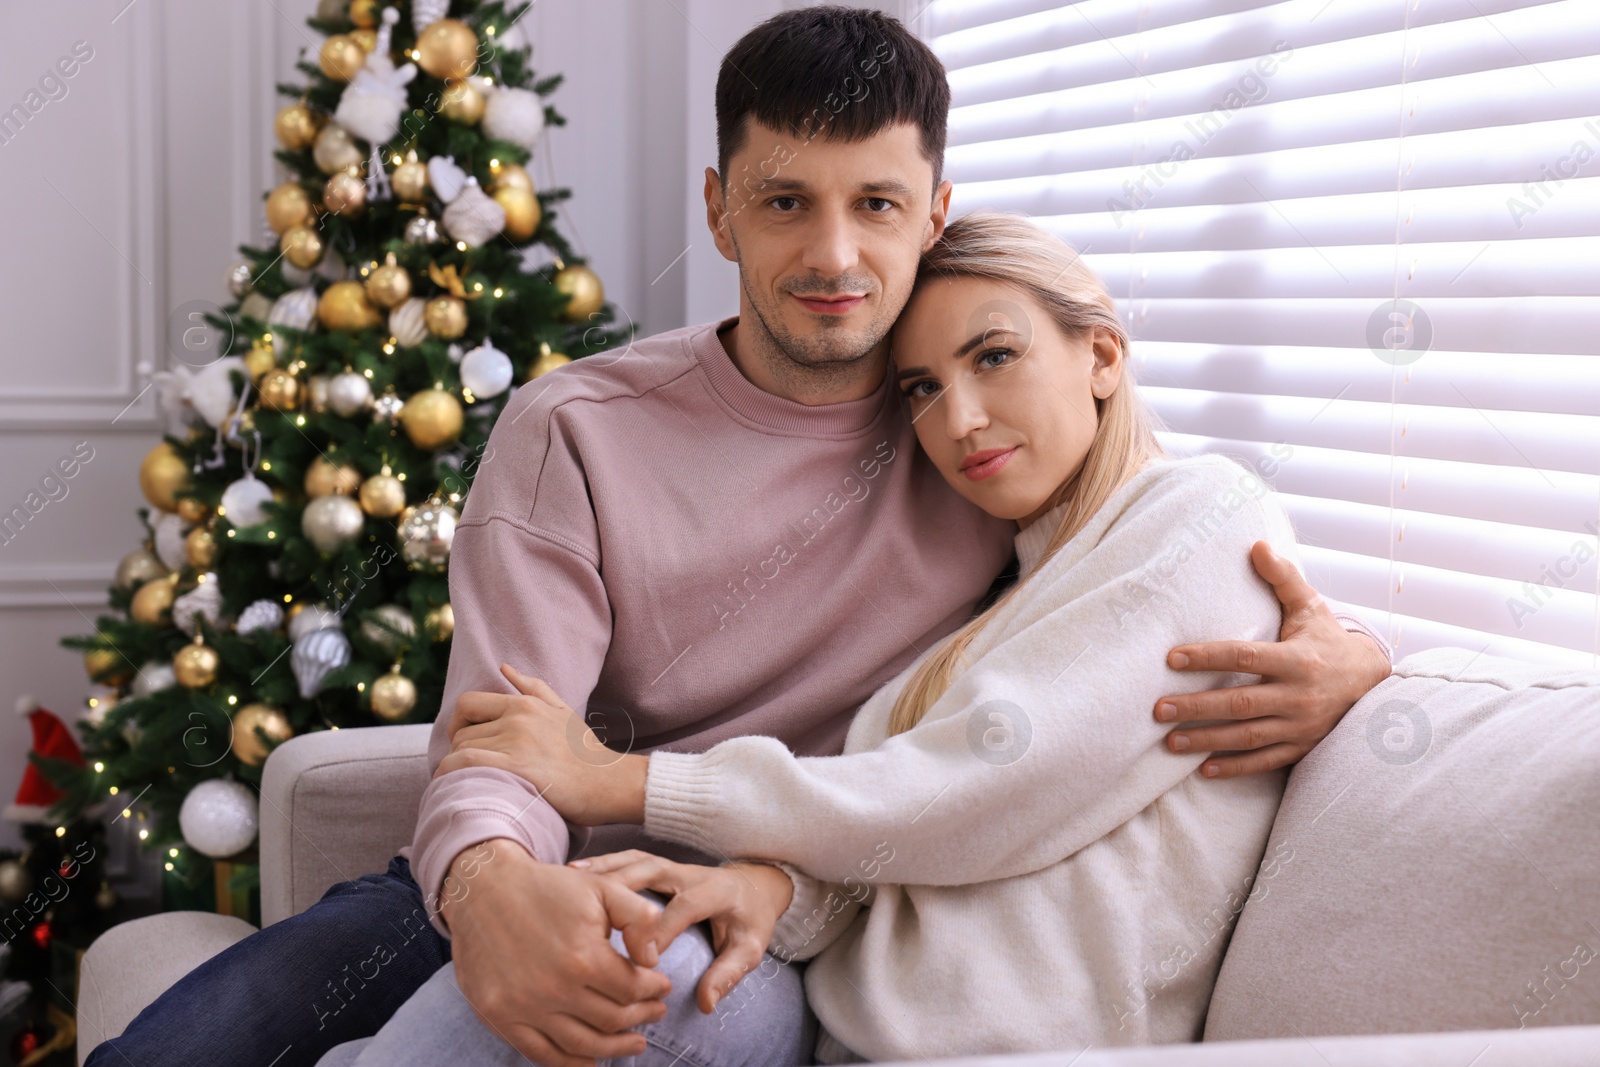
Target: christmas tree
<point>324,427</point>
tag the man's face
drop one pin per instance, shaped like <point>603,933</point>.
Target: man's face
<point>827,235</point>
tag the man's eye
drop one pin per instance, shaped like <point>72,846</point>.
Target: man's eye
<point>879,204</point>
<point>784,203</point>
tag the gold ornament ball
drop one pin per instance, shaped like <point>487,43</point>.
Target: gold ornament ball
<point>366,38</point>
<point>410,181</point>
<point>364,13</point>
<point>200,548</point>
<point>137,567</point>
<point>288,206</point>
<point>162,475</point>
<point>341,56</point>
<point>152,604</point>
<point>440,622</point>
<point>393,696</point>
<point>279,390</point>
<point>583,286</point>
<point>301,246</point>
<point>192,510</point>
<point>509,176</point>
<point>389,286</point>
<point>383,496</point>
<point>247,745</point>
<point>547,363</point>
<point>296,127</point>
<point>447,49</point>
<point>431,418</point>
<point>325,479</point>
<point>345,194</point>
<point>344,306</point>
<point>445,317</point>
<point>522,212</point>
<point>462,102</point>
<point>335,149</point>
<point>107,666</point>
<point>196,665</point>
<point>261,358</point>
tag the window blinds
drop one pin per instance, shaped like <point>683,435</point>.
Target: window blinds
<point>1354,242</point>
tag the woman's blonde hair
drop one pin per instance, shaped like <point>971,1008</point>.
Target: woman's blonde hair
<point>1013,250</point>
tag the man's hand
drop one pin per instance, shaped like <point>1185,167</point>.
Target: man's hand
<point>531,944</point>
<point>743,901</point>
<point>535,735</point>
<point>1310,677</point>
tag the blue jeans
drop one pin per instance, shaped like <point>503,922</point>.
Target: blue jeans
<point>339,971</point>
<point>763,1022</point>
<point>286,995</point>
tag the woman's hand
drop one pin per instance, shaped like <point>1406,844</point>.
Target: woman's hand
<point>743,901</point>
<point>538,737</point>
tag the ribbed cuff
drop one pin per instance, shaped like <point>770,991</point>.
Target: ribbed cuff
<point>790,938</point>
<point>679,797</point>
<point>1352,624</point>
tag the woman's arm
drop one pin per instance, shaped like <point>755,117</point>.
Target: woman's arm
<point>1042,746</point>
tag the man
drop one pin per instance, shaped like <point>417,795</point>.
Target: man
<point>728,529</point>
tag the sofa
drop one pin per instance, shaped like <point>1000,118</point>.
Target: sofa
<point>1429,896</point>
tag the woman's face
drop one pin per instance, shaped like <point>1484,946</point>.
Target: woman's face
<point>1002,400</point>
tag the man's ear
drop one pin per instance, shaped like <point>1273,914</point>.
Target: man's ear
<point>937,214</point>
<point>717,218</point>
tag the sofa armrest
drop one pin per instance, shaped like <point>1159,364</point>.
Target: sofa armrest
<point>336,804</point>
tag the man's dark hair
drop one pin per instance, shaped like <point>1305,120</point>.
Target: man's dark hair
<point>843,73</point>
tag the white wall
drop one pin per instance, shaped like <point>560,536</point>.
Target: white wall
<point>125,199</point>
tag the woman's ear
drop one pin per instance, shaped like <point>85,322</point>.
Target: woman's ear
<point>1107,373</point>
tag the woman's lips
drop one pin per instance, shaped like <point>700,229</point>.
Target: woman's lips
<point>989,467</point>
<point>831,306</point>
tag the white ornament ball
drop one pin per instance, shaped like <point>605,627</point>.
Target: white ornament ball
<point>314,655</point>
<point>312,618</point>
<point>241,501</point>
<point>170,531</point>
<point>332,521</point>
<point>219,818</point>
<point>264,614</point>
<point>296,309</point>
<point>486,370</point>
<point>384,618</point>
<point>515,115</point>
<point>446,178</point>
<point>349,393</point>
<point>153,677</point>
<point>474,217</point>
<point>408,323</point>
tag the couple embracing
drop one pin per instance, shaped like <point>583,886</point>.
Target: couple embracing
<point>854,679</point>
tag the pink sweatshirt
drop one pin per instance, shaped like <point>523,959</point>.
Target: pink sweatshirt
<point>686,558</point>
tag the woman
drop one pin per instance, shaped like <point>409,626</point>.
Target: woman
<point>1006,857</point>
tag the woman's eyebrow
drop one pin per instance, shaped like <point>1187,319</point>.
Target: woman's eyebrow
<point>972,342</point>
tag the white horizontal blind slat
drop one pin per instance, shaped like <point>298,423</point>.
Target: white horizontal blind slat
<point>1257,183</point>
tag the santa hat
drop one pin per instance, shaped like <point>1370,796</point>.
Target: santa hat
<point>52,740</point>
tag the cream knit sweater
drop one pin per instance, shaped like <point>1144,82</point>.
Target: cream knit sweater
<point>1029,868</point>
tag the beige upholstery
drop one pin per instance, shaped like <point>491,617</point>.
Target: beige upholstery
<point>130,965</point>
<point>1435,864</point>
<point>1329,938</point>
<point>335,805</point>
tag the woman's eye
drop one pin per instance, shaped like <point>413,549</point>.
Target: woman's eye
<point>910,391</point>
<point>993,352</point>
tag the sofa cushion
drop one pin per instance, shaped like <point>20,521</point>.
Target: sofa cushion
<point>1435,864</point>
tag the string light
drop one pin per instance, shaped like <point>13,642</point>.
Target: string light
<point>113,790</point>
<point>61,831</point>
<point>99,768</point>
<point>144,835</point>
<point>232,699</point>
<point>172,852</point>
